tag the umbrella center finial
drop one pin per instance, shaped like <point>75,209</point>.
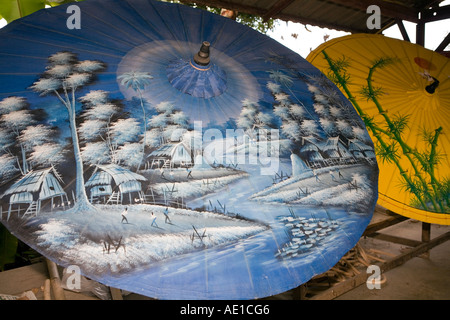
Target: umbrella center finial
<point>431,88</point>
<point>202,56</point>
<point>198,77</point>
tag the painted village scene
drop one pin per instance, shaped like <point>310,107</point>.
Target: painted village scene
<point>129,188</point>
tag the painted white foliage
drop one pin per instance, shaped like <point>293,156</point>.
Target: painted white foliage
<point>125,130</point>
<point>321,98</point>
<point>95,97</point>
<point>88,66</point>
<point>281,78</point>
<point>159,120</point>
<point>129,154</point>
<point>321,109</point>
<point>102,111</point>
<point>263,119</point>
<point>165,107</point>
<point>59,71</point>
<point>327,125</point>
<point>297,111</point>
<point>11,104</point>
<point>273,87</point>
<point>59,78</point>
<point>360,134</point>
<point>282,112</point>
<point>46,85</point>
<point>153,137</point>
<point>335,111</point>
<point>177,134</point>
<point>96,153</point>
<point>179,118</point>
<point>6,138</point>
<point>17,120</point>
<point>282,98</point>
<point>77,79</point>
<point>35,135</point>
<point>47,153</point>
<point>244,122</point>
<point>291,129</point>
<point>344,127</point>
<point>63,57</point>
<point>252,117</point>
<point>309,127</point>
<point>313,88</point>
<point>167,125</point>
<point>7,165</point>
<point>92,129</point>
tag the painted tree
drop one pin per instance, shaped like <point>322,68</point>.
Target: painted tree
<point>129,154</point>
<point>103,132</point>
<point>335,117</point>
<point>8,166</point>
<point>65,75</point>
<point>296,120</point>
<point>125,134</point>
<point>48,153</point>
<point>15,118</point>
<point>138,81</point>
<point>252,117</point>
<point>41,146</point>
<point>168,125</point>
<point>95,130</point>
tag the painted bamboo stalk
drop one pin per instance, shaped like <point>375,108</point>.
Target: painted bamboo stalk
<point>372,127</point>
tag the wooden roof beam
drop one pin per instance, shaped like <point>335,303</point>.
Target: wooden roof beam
<point>435,14</point>
<point>443,44</point>
<point>279,6</point>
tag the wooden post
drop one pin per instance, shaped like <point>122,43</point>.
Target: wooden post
<point>47,295</point>
<point>115,293</point>
<point>420,33</point>
<point>426,237</point>
<point>55,281</point>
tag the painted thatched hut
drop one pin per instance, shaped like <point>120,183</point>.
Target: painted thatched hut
<point>311,152</point>
<point>170,155</point>
<point>334,148</point>
<point>361,150</point>
<point>110,183</point>
<point>32,190</point>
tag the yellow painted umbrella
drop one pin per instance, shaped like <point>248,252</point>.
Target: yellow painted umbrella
<point>402,92</point>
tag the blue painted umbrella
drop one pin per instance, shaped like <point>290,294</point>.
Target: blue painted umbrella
<point>175,153</point>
